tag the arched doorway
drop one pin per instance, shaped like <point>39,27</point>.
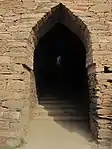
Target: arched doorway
<point>61,75</point>
<point>47,30</point>
<point>79,26</point>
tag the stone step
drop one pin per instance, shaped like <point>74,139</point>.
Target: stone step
<point>56,98</point>
<point>48,98</point>
<point>56,106</point>
<point>56,112</point>
<point>60,118</point>
<point>54,101</point>
<point>51,114</point>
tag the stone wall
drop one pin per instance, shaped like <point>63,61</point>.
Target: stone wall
<point>22,23</point>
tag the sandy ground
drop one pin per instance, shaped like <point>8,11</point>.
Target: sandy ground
<point>48,134</point>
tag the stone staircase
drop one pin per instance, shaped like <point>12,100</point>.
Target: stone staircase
<point>50,108</point>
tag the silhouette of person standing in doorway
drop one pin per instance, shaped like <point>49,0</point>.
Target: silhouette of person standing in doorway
<point>58,61</point>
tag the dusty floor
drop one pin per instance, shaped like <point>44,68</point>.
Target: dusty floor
<point>48,134</point>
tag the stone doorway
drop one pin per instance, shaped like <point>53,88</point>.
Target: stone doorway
<point>80,33</point>
<point>61,77</point>
<point>19,38</point>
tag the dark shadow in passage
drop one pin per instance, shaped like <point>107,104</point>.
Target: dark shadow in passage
<point>59,67</point>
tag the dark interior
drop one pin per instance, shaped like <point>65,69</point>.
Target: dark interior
<point>59,66</point>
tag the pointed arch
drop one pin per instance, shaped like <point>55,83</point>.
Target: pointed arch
<point>61,14</point>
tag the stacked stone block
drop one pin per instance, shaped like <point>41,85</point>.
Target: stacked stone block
<point>22,23</point>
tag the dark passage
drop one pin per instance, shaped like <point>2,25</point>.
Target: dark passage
<point>60,72</point>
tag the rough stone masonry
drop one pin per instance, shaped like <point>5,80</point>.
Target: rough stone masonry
<point>22,23</point>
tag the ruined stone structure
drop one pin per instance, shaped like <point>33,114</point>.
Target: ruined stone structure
<point>22,23</point>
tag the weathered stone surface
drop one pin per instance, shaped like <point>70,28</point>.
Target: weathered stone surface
<point>9,95</point>
<point>16,85</point>
<point>13,104</point>
<point>9,133</point>
<point>2,85</point>
<point>13,143</point>
<point>100,8</point>
<point>11,115</point>
<point>106,111</point>
<point>4,124</point>
<point>3,141</point>
<point>4,59</point>
<point>17,44</point>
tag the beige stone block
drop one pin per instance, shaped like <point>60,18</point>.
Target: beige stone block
<point>106,102</point>
<point>83,13</point>
<point>15,76</point>
<point>30,15</point>
<point>3,141</point>
<point>2,85</point>
<point>2,26</point>
<point>15,43</point>
<point>20,35</point>
<point>4,59</point>
<point>8,69</point>
<point>104,76</point>
<point>18,67</point>
<point>105,132</point>
<point>9,95</point>
<point>13,142</point>
<point>43,1</point>
<point>5,35</point>
<point>102,121</point>
<point>99,69</point>
<point>15,125</point>
<point>90,21</point>
<point>2,111</point>
<point>98,26</point>
<point>29,4</point>
<point>102,53</point>
<point>21,60</point>
<point>1,18</point>
<point>4,124</point>
<point>13,104</point>
<point>8,19</point>
<point>15,115</point>
<point>21,27</point>
<point>105,111</point>
<point>75,6</point>
<point>15,49</point>
<point>16,85</point>
<point>9,133</point>
<point>4,133</point>
<point>100,8</point>
<point>9,53</point>
<point>12,115</point>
